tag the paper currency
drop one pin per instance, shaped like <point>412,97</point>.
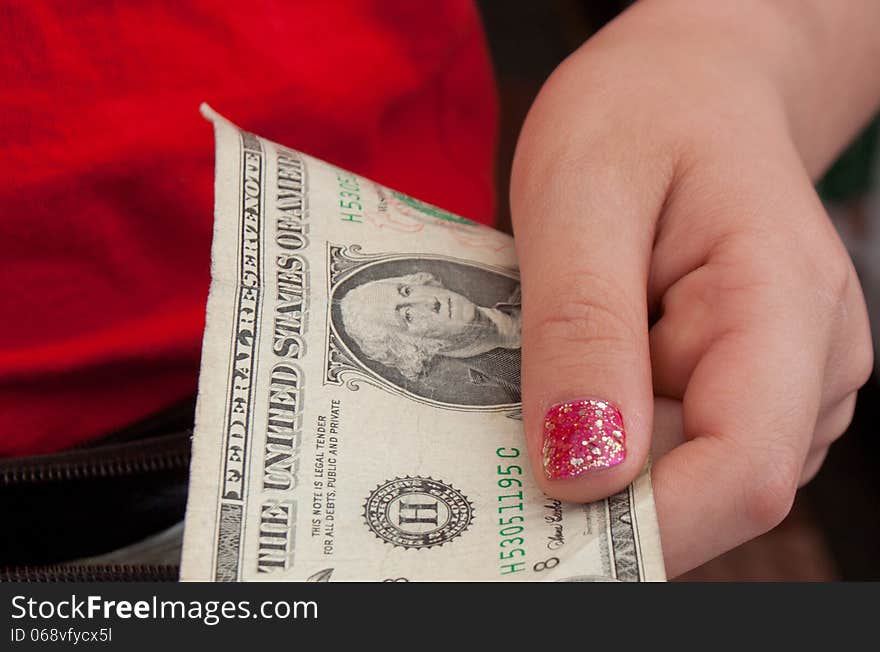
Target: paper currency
<point>359,402</point>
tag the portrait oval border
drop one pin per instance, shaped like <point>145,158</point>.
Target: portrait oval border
<point>342,366</point>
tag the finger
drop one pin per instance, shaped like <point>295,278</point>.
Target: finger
<point>583,240</point>
<point>587,396</point>
<point>831,425</point>
<point>688,323</point>
<point>668,430</point>
<point>683,333</point>
<point>736,476</point>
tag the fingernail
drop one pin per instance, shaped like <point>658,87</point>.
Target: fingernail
<point>581,436</point>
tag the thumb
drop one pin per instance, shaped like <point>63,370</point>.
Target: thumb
<point>586,368</point>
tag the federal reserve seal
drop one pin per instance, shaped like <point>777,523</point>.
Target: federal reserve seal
<point>414,512</point>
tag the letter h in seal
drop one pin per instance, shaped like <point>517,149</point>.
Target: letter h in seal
<point>416,512</point>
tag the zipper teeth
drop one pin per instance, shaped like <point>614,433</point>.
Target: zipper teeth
<point>109,573</point>
<point>78,465</point>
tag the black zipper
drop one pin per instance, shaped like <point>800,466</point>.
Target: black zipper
<point>133,451</point>
<point>161,453</point>
<point>115,573</point>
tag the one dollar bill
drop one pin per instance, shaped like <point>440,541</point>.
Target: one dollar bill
<point>358,414</point>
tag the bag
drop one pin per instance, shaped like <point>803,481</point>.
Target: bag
<point>111,510</point>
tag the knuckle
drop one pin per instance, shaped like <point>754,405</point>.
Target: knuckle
<point>578,320</point>
<point>770,491</point>
<point>819,271</point>
<point>694,295</point>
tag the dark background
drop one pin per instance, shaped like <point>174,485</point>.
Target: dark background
<point>833,531</point>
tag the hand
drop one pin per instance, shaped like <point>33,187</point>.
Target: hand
<point>671,243</point>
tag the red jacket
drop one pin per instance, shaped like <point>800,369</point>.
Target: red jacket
<point>107,171</point>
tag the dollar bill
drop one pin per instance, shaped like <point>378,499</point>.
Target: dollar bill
<point>358,414</point>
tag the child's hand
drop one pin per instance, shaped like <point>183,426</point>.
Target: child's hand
<point>660,178</point>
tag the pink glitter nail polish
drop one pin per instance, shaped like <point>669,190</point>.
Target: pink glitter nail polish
<point>582,435</point>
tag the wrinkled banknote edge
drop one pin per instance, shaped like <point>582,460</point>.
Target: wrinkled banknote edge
<point>202,446</point>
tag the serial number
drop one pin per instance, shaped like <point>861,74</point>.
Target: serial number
<point>510,518</point>
<point>350,206</point>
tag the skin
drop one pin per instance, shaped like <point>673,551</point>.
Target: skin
<point>428,311</point>
<point>671,243</point>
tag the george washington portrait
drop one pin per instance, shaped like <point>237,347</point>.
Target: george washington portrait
<point>445,331</point>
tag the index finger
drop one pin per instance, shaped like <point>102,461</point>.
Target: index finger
<point>748,412</point>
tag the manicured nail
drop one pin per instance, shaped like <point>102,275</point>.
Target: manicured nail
<point>582,435</point>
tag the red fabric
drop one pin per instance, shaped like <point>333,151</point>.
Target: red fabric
<point>107,171</point>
